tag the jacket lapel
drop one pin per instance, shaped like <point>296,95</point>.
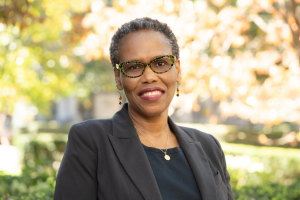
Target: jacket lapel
<point>198,161</point>
<point>132,156</point>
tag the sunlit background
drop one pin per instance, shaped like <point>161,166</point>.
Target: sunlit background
<point>241,83</point>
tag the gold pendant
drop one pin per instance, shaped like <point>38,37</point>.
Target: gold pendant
<point>167,157</point>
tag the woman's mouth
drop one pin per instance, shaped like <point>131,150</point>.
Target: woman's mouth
<point>151,94</point>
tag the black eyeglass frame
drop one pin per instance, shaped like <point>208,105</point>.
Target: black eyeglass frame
<point>120,66</point>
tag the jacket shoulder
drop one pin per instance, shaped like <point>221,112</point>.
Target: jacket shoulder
<point>93,127</point>
<point>199,135</point>
<point>208,142</point>
<point>95,123</point>
<point>90,132</point>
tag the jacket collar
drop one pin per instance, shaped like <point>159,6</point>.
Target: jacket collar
<point>132,156</point>
<point>122,125</point>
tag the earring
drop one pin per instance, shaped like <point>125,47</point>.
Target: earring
<point>177,92</point>
<point>120,99</point>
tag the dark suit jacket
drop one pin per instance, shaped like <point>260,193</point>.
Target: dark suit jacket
<point>104,159</point>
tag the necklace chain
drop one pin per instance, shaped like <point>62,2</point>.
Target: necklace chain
<point>165,152</point>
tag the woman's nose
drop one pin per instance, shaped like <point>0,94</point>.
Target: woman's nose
<point>149,76</point>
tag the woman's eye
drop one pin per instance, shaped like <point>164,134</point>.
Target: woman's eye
<point>160,64</point>
<point>133,67</point>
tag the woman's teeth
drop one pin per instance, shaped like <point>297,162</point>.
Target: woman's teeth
<point>151,93</point>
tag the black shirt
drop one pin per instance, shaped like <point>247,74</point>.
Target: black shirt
<point>174,178</point>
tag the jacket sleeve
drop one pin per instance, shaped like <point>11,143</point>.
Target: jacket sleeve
<point>226,174</point>
<point>76,178</point>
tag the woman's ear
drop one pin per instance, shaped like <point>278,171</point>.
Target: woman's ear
<point>178,69</point>
<point>118,79</point>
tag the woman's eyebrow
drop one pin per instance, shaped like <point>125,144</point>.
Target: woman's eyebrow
<point>135,60</point>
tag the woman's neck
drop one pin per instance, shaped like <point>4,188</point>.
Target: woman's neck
<point>155,126</point>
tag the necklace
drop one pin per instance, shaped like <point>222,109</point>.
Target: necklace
<point>167,157</point>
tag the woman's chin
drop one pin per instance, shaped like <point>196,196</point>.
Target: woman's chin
<point>149,108</point>
<point>153,110</point>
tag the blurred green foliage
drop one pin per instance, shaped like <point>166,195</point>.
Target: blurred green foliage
<point>252,165</point>
<point>41,158</point>
<point>268,191</point>
<point>26,187</point>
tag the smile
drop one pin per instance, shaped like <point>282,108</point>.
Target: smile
<point>151,94</point>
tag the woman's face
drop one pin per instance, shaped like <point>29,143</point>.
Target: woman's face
<point>150,94</point>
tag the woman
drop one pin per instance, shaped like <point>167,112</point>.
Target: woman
<point>140,153</point>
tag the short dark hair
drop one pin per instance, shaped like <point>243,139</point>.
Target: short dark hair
<point>136,25</point>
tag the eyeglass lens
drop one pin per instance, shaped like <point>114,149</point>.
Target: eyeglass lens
<point>136,69</point>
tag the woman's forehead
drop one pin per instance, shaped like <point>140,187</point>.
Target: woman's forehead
<point>144,45</point>
<point>141,34</point>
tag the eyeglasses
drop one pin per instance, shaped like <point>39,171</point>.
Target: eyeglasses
<point>159,65</point>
